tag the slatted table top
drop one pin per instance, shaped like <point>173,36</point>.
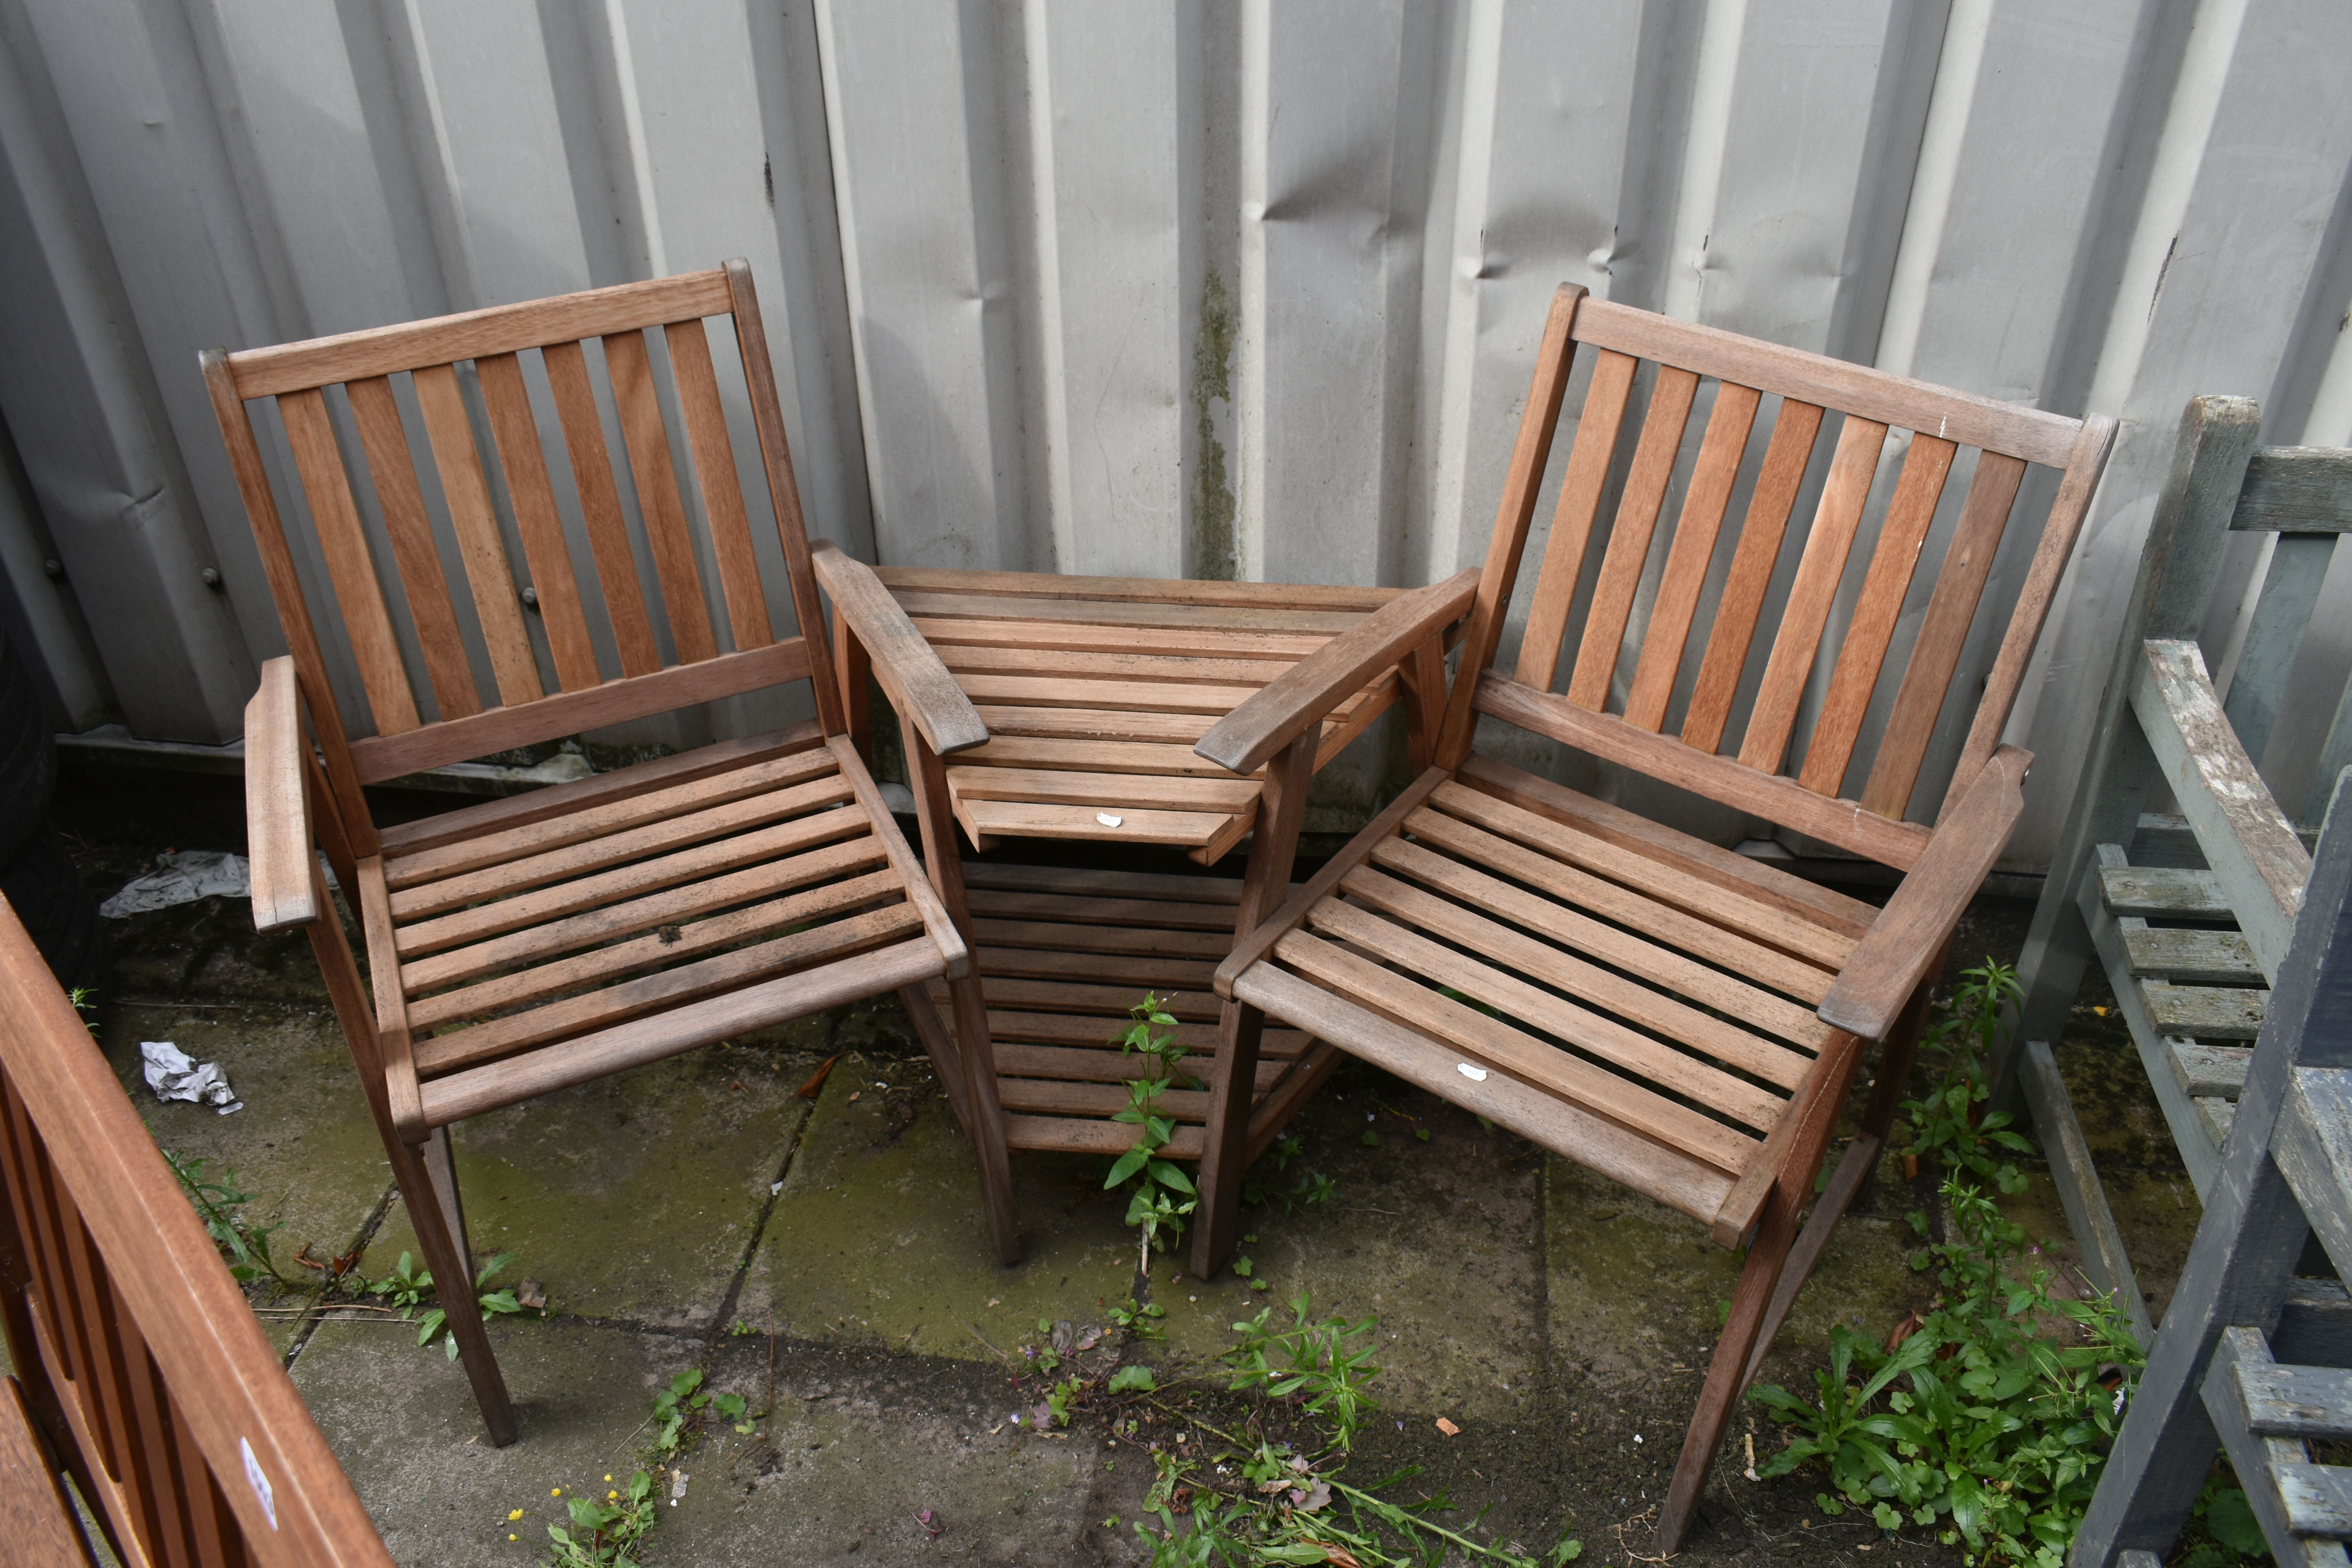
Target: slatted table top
<point>1095,689</point>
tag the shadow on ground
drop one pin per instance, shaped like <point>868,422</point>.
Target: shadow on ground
<point>824,1257</point>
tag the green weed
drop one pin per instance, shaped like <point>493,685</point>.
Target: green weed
<point>1982,1421</point>
<point>1163,1196</point>
<point>220,1204</point>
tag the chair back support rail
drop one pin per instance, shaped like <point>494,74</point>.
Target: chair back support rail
<point>1706,1065</point>
<point>140,1370</point>
<point>2148,898</point>
<point>368,394</point>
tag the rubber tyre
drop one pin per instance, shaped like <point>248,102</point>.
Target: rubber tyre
<point>45,889</point>
<point>28,756</point>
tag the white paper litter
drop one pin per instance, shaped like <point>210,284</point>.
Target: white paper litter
<point>182,878</point>
<point>172,1076</point>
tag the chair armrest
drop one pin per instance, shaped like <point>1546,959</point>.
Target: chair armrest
<point>919,686</point>
<point>1911,931</point>
<point>1308,692</point>
<point>277,812</point>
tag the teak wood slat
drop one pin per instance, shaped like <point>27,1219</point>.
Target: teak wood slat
<point>392,474</point>
<point>521,947</point>
<point>1711,484</point>
<point>136,1368</point>
<point>599,506</point>
<point>645,437</point>
<point>516,434</point>
<point>1629,539</point>
<point>496,602</point>
<point>1672,1015</point>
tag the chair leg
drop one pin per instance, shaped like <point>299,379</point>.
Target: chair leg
<point>985,1125</point>
<point>1853,1169</point>
<point>428,1185</point>
<point>1217,1214</point>
<point>1726,1373</point>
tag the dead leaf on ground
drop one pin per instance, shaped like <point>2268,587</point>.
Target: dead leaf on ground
<point>1448,1428</point>
<point>816,1080</point>
<point>532,1294</point>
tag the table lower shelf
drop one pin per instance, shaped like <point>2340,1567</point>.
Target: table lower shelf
<point>1063,953</point>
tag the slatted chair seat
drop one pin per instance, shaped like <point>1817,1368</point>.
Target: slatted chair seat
<point>525,945</point>
<point>1670,1014</point>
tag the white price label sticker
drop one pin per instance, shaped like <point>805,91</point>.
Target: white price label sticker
<point>260,1482</point>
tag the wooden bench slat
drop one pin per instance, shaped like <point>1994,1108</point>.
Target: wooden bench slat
<point>1598,427</point>
<point>672,988</point>
<point>2192,957</point>
<point>2162,892</point>
<point>714,481</point>
<point>1893,560</point>
<point>419,901</point>
<point>1835,519</point>
<point>1753,961</point>
<point>599,506</point>
<point>1771,923</point>
<point>1621,949</point>
<point>1636,1003</point>
<point>1024,819</point>
<point>586,821</point>
<point>1202,642</point>
<point>660,944</point>
<point>1063,936</point>
<point>1615,1151</point>
<point>1713,478</point>
<point>515,435</point>
<point>1787,455</point>
<point>1104,792</point>
<point>1630,533</point>
<point>1943,634</point>
<point>497,604</point>
<point>694,863</point>
<point>391,470</point>
<point>336,521</point>
<point>645,437</point>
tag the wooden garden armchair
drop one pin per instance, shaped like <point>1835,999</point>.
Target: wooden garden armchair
<point>1673,1015</point>
<point>521,946</point>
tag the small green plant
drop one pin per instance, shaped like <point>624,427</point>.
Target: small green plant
<point>1946,1124</point>
<point>1982,1420</point>
<point>1312,1189</point>
<point>407,1288</point>
<point>1140,1319</point>
<point>1163,1196</point>
<point>1263,1500</point>
<point>220,1204</point>
<point>604,1532</point>
<point>1321,1362</point>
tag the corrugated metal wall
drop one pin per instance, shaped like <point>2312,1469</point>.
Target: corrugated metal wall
<point>1203,286</point>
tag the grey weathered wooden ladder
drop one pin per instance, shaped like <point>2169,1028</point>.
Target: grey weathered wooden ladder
<point>2250,1356</point>
<point>2192,992</point>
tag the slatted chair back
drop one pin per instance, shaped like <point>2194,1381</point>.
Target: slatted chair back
<point>416,397</point>
<point>138,1369</point>
<point>1793,406</point>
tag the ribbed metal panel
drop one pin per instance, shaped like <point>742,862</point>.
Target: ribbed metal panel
<point>1209,287</point>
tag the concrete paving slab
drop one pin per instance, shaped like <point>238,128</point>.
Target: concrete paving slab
<point>304,1145</point>
<point>1436,1239</point>
<point>854,1447</point>
<point>878,1238</point>
<point>635,1197</point>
